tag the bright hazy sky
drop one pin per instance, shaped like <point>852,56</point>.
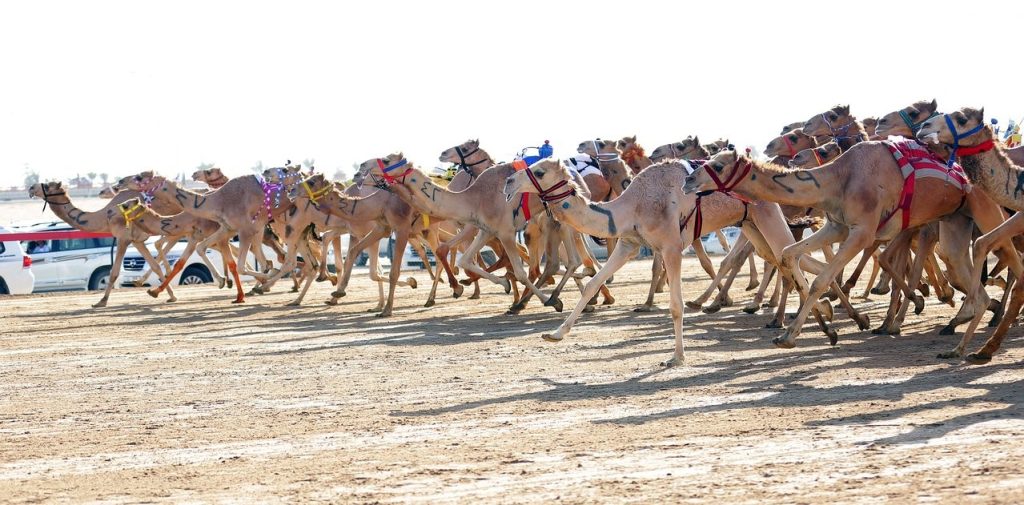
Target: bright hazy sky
<point>120,87</point>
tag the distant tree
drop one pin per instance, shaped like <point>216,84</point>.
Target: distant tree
<point>340,175</point>
<point>308,163</point>
<point>206,166</point>
<point>91,176</point>
<point>31,177</point>
<point>258,168</point>
<point>104,177</point>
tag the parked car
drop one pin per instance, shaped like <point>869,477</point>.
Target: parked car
<point>16,277</point>
<point>66,264</point>
<point>194,271</point>
<point>713,246</point>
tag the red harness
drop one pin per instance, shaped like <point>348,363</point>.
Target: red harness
<point>916,161</point>
<point>726,188</point>
<point>546,195</point>
<point>392,179</point>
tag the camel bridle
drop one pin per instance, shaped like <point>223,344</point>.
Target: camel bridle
<point>736,176</point>
<point>315,196</point>
<point>386,180</point>
<point>840,132</point>
<point>466,166</point>
<point>132,213</point>
<point>819,157</point>
<point>957,137</point>
<point>915,127</point>
<point>149,187</point>
<point>789,144</point>
<point>47,196</point>
<point>218,182</point>
<point>549,195</point>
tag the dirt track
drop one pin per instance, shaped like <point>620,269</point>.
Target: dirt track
<point>202,400</point>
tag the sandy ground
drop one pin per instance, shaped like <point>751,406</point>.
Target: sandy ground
<point>204,401</point>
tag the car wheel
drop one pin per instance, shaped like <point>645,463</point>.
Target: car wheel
<point>195,275</point>
<point>3,288</point>
<point>99,279</point>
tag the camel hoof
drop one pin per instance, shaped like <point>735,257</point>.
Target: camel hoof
<point>918,304</point>
<point>978,358</point>
<point>507,285</point>
<point>172,299</point>
<point>589,272</point>
<point>924,289</point>
<point>138,283</point>
<point>769,304</point>
<point>833,337</point>
<point>774,324</point>
<point>783,342</point>
<point>949,329</point>
<point>880,290</point>
<point>430,303</point>
<point>592,301</point>
<point>830,295</point>
<point>551,338</point>
<point>412,282</point>
<point>220,284</point>
<point>675,361</point>
<point>457,290</point>
<point>587,309</point>
<point>384,314</point>
<point>712,308</point>
<point>332,301</point>
<point>292,304</point>
<point>99,304</point>
<point>338,294</point>
<point>644,308</point>
<point>863,322</point>
<point>230,283</point>
<point>992,323</point>
<point>754,283</point>
<point>724,302</point>
<point>750,309</point>
<point>879,331</point>
<point>239,300</point>
<point>948,355</point>
<point>294,289</point>
<point>466,282</point>
<point>515,309</point>
<point>609,300</point>
<point>474,296</point>
<point>153,292</point>
<point>557,305</point>
<point>693,305</point>
<point>827,312</point>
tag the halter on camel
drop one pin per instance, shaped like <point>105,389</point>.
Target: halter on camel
<point>722,187</point>
<point>315,196</point>
<point>149,188</point>
<point>46,196</point>
<point>132,214</point>
<point>915,127</point>
<point>463,165</point>
<point>386,179</point>
<point>840,132</point>
<point>957,136</point>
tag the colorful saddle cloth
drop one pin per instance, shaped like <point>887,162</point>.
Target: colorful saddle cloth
<point>915,160</point>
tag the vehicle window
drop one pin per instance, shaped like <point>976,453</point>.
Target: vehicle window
<point>104,242</point>
<point>3,248</point>
<point>73,244</point>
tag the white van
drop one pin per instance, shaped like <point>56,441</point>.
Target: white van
<point>16,277</point>
<point>66,264</point>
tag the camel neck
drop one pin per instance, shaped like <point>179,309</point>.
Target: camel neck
<point>80,219</point>
<point>185,200</point>
<point>789,187</point>
<point>997,175</point>
<point>587,217</point>
<point>428,197</point>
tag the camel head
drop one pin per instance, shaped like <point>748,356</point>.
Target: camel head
<point>211,176</point>
<point>595,147</point>
<point>553,180</point>
<point>907,121</point>
<point>870,124</point>
<point>45,189</point>
<point>716,146</point>
<point>789,143</point>
<point>722,172</point>
<point>816,156</point>
<point>315,188</point>
<point>828,122</point>
<point>288,175</point>
<point>792,126</point>
<point>382,171</point>
<point>686,149</point>
<point>626,143</point>
<point>107,193</point>
<point>968,125</point>
<point>457,154</point>
<point>142,182</point>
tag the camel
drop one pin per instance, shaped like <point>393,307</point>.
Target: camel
<point>107,193</point>
<point>788,144</point>
<point>243,205</point>
<point>859,191</point>
<point>716,146</point>
<point>472,206</point>
<point>870,123</point>
<point>791,126</point>
<point>836,124</point>
<point>812,157</point>
<point>651,211</point>
<point>907,121</point>
<point>965,134</point>
<point>110,219</point>
<point>633,154</point>
<point>213,177</point>
<point>686,149</point>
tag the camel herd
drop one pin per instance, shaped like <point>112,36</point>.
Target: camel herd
<point>910,191</point>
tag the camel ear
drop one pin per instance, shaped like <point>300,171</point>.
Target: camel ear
<point>400,154</point>
<point>981,114</point>
<point>696,141</point>
<point>633,138</point>
<point>935,105</point>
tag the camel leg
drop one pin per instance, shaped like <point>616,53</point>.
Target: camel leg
<point>752,283</point>
<point>154,265</point>
<point>449,247</point>
<point>702,257</point>
<point>766,281</point>
<point>864,257</point>
<point>509,242</point>
<point>731,264</point>
<point>374,237</point>
<point>115,270</point>
<point>657,267</point>
<point>673,258</point>
<point>397,255</point>
<point>735,254</point>
<point>856,240</point>
<point>623,252</point>
<point>466,262</point>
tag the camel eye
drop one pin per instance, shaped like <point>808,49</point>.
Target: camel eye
<point>793,138</point>
<point>833,117</point>
<point>912,114</point>
<point>961,121</point>
<point>538,173</point>
<point>717,166</point>
<point>680,146</point>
